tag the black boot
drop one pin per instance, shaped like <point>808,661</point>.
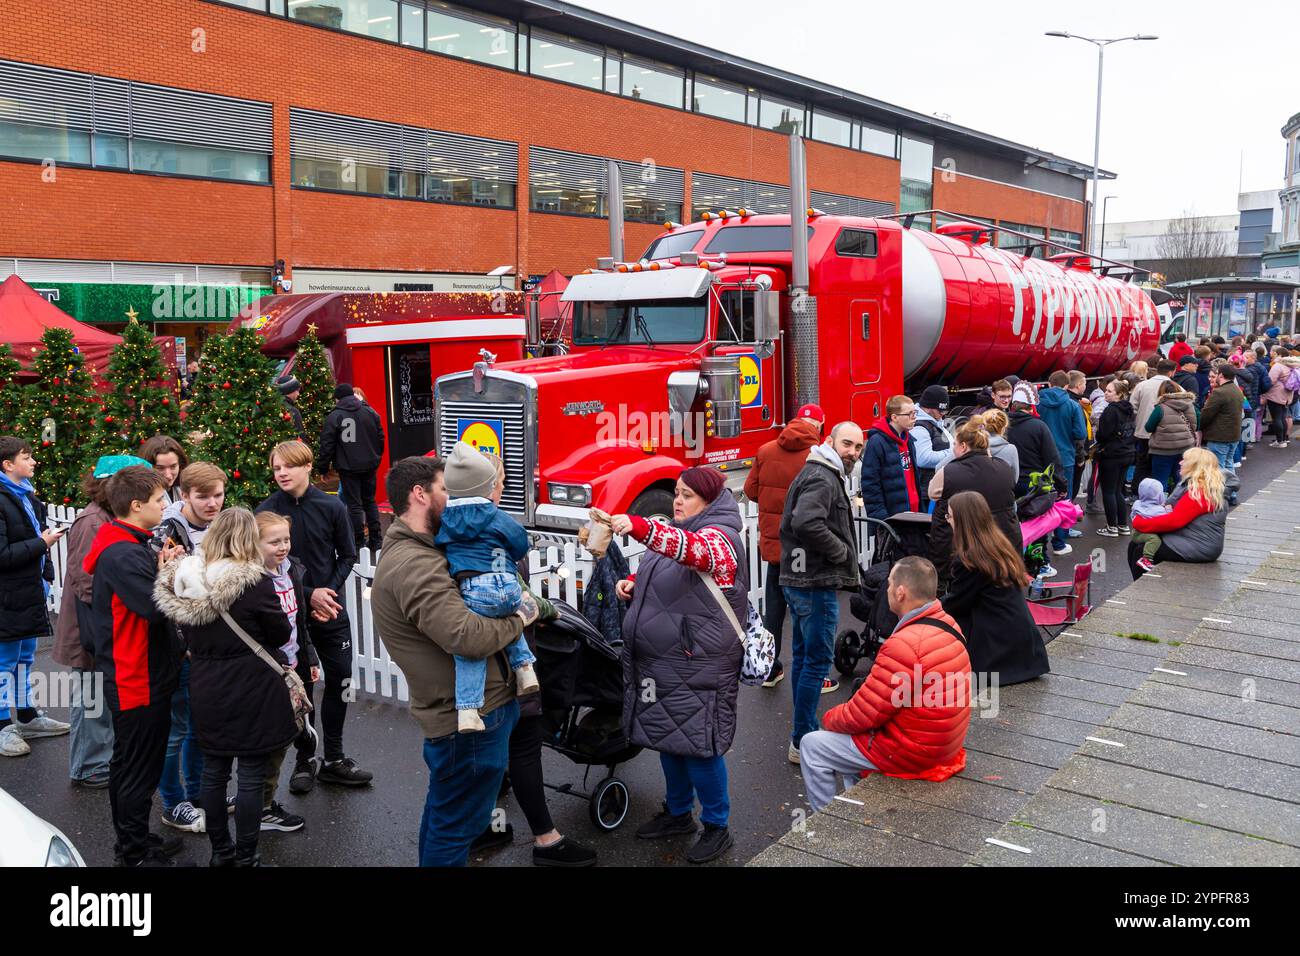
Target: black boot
<point>666,824</point>
<point>713,842</point>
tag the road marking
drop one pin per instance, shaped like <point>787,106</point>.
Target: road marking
<point>1070,634</point>
<point>1278,481</point>
<point>1285,554</point>
<point>1265,491</point>
<point>1152,574</point>
<point>1165,670</point>
<point>1248,581</point>
<point>856,803</point>
<point>1216,620</point>
<point>1113,601</point>
<point>1008,846</point>
<point>1103,740</point>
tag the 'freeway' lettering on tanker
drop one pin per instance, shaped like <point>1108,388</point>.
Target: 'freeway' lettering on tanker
<point>1069,308</point>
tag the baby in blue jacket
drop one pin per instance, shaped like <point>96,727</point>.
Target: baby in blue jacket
<point>482,544</point>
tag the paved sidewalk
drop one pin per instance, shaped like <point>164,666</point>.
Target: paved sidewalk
<point>1178,748</point>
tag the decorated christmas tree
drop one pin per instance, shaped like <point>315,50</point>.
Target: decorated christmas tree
<point>60,417</point>
<point>240,414</point>
<point>143,402</point>
<point>312,369</point>
<point>11,393</point>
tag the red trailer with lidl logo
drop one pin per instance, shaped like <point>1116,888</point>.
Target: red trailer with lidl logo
<point>393,346</point>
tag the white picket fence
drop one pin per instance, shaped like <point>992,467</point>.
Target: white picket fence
<point>558,569</point>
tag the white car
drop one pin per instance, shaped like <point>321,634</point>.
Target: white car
<point>27,840</point>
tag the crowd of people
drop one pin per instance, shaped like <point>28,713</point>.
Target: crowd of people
<point>210,625</point>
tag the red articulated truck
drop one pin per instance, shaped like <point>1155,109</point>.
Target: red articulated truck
<point>700,351</point>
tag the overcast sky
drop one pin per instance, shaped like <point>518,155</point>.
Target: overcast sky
<point>1185,119</point>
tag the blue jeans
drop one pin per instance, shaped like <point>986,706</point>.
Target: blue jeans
<point>465,773</point>
<point>488,595</point>
<point>1061,535</point>
<point>1165,467</point>
<point>690,777</point>
<point>1223,450</point>
<point>90,742</point>
<point>814,616</point>
<point>16,660</point>
<point>182,776</point>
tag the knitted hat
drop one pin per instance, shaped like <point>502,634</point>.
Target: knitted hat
<point>342,389</point>
<point>109,465</point>
<point>288,385</point>
<point>1024,393</point>
<point>936,396</point>
<point>704,481</point>
<point>469,474</point>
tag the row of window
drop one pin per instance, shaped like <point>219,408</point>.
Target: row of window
<point>482,38</point>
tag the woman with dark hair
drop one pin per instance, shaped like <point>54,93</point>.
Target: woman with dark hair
<point>682,655</point>
<point>973,469</point>
<point>168,458</point>
<point>986,595</point>
<point>1115,455</point>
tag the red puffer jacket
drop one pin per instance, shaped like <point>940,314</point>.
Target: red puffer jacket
<point>774,468</point>
<point>920,738</point>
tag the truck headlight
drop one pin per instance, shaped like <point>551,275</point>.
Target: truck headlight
<point>60,854</point>
<point>579,495</point>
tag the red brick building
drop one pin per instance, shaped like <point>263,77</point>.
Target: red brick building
<point>404,143</point>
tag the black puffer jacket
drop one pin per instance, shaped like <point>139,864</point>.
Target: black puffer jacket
<point>1115,432</point>
<point>352,438</point>
<point>240,705</point>
<point>1036,446</point>
<point>23,612</point>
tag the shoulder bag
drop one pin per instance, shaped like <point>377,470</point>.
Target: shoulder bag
<point>758,642</point>
<point>299,699</point>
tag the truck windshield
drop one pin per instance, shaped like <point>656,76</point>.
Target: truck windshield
<point>668,247</point>
<point>652,322</point>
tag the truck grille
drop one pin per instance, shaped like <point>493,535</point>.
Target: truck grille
<point>483,419</point>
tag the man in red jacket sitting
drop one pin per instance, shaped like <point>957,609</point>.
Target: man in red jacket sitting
<point>910,716</point>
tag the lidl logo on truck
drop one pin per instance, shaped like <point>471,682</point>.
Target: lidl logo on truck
<point>482,433</point>
<point>751,382</point>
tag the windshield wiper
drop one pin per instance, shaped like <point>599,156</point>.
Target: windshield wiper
<point>643,328</point>
<point>618,330</point>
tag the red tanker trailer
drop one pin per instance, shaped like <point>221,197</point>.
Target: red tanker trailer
<point>700,351</point>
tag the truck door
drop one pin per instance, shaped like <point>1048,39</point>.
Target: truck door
<point>411,427</point>
<point>760,386</point>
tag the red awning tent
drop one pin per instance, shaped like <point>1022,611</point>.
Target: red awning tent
<point>25,315</point>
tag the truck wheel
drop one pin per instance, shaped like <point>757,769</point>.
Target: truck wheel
<point>653,503</point>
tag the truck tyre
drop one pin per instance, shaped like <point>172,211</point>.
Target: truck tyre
<point>653,503</point>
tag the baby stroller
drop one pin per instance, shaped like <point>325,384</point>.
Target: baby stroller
<point>900,536</point>
<point>582,708</point>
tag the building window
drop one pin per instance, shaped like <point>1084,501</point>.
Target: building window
<point>1019,243</point>
<point>557,58</point>
<point>715,98</point>
<point>22,141</point>
<point>176,159</point>
<point>454,31</point>
<point>836,204</point>
<point>1072,239</point>
<point>780,115</point>
<point>710,193</point>
<point>348,154</point>
<point>413,25</point>
<point>371,18</point>
<point>86,120</point>
<point>832,129</point>
<point>917,174</point>
<point>252,4</point>
<point>878,140</point>
<point>575,183</point>
<point>643,80</point>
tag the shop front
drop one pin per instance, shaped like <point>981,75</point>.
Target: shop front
<point>1238,305</point>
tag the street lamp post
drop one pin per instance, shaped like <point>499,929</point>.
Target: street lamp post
<point>1104,204</point>
<point>1101,45</point>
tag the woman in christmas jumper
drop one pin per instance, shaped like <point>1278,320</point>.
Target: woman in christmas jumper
<point>682,655</point>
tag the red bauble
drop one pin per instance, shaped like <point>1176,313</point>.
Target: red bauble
<point>45,444</point>
<point>67,500</point>
<point>225,385</point>
<point>167,401</point>
<point>56,381</point>
<point>237,474</point>
<point>108,419</point>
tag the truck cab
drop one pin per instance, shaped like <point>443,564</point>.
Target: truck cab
<point>684,357</point>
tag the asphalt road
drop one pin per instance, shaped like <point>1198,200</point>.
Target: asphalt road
<point>377,825</point>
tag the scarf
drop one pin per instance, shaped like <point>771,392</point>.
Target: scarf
<point>26,494</point>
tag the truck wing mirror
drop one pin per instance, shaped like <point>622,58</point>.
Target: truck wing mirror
<point>767,322</point>
<point>534,329</point>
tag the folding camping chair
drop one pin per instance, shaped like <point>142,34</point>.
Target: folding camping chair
<point>1077,602</point>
